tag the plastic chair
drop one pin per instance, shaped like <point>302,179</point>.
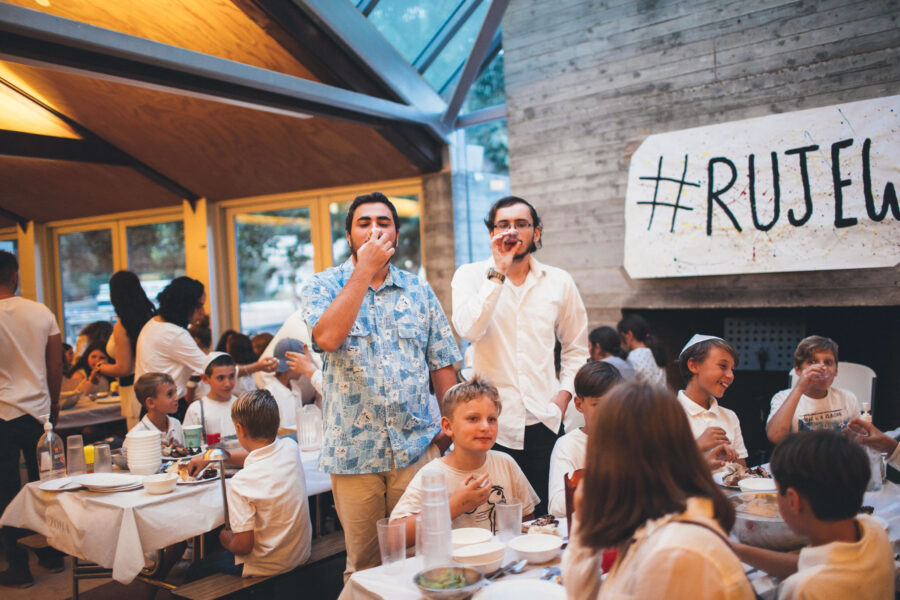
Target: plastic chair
<point>853,377</point>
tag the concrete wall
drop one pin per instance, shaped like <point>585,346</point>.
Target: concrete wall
<point>587,81</point>
<point>437,235</point>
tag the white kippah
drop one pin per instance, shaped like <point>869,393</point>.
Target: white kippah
<point>211,357</point>
<point>696,339</point>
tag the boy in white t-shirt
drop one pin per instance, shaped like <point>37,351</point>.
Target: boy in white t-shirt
<point>821,478</point>
<point>592,382</point>
<point>707,366</point>
<point>479,477</point>
<point>156,392</point>
<point>812,403</point>
<point>213,411</point>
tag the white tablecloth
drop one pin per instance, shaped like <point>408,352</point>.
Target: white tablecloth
<point>116,530</point>
<point>87,412</point>
<point>378,585</point>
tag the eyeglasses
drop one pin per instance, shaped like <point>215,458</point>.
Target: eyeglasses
<point>517,225</point>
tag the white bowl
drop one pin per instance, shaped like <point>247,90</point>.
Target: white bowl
<point>162,483</point>
<point>487,568</point>
<point>466,536</point>
<point>757,484</point>
<point>536,548</point>
<point>479,554</point>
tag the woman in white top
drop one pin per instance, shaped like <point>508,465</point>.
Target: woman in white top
<point>645,353</point>
<point>165,346</point>
<point>647,492</point>
<point>133,310</point>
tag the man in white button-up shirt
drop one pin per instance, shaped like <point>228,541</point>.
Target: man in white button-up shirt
<point>513,309</point>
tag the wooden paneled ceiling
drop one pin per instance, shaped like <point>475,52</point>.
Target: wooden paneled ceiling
<point>215,150</point>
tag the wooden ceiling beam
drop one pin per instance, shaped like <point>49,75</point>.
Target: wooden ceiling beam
<point>38,39</point>
<point>102,148</point>
<point>33,145</point>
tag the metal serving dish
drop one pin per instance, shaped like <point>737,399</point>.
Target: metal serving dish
<point>472,579</point>
<point>758,522</point>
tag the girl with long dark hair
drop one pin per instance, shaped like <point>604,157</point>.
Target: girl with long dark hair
<point>133,310</point>
<point>647,491</point>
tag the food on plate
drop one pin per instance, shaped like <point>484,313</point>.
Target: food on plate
<point>739,472</point>
<point>761,505</point>
<point>176,451</point>
<point>547,524</point>
<point>182,469</point>
<point>444,580</point>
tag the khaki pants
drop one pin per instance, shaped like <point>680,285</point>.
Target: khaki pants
<point>361,500</point>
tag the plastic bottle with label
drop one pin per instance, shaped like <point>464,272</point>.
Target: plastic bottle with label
<point>51,457</point>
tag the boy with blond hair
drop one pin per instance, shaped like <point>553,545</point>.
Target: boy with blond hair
<point>269,511</point>
<point>477,477</point>
<point>812,403</point>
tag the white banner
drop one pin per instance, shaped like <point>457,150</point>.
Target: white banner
<point>803,191</point>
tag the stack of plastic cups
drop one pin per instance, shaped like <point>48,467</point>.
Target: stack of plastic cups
<point>435,537</point>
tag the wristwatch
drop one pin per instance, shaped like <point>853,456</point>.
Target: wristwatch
<point>494,274</point>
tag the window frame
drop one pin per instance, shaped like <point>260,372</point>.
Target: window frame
<point>117,224</point>
<point>319,202</point>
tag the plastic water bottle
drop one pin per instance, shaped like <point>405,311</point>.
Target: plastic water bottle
<point>50,455</point>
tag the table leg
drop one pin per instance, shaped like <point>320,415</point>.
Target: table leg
<point>74,578</point>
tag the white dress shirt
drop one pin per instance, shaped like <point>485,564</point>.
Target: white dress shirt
<point>514,330</point>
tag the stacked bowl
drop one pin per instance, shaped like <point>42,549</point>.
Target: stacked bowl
<point>144,452</point>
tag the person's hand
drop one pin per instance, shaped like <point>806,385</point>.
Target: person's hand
<point>94,377</point>
<point>866,434</point>
<point>301,362</point>
<point>268,364</point>
<point>375,253</point>
<point>471,493</point>
<point>504,250</point>
<point>561,399</point>
<point>712,437</point>
<point>718,456</point>
<point>810,375</point>
<point>196,464</point>
<point>442,441</point>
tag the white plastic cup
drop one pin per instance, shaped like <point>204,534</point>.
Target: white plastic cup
<point>102,458</point>
<point>392,543</point>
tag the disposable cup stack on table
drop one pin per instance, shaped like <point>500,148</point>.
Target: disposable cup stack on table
<point>144,452</point>
<point>436,536</point>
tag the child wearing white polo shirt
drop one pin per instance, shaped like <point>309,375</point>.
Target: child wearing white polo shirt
<point>707,365</point>
<point>821,479</point>
<point>156,392</point>
<point>269,511</point>
<point>592,382</point>
<point>213,410</point>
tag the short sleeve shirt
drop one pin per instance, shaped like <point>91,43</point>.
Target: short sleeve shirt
<point>508,484</point>
<point>375,385</point>
<point>833,411</point>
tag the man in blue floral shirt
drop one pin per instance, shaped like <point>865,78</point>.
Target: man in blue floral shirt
<point>382,333</point>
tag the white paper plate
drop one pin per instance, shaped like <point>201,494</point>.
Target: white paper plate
<point>516,589</point>
<point>107,400</point>
<point>109,490</point>
<point>62,484</point>
<point>719,476</point>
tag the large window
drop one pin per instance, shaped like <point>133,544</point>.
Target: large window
<point>88,254</point>
<point>8,245</point>
<point>276,243</point>
<point>274,257</point>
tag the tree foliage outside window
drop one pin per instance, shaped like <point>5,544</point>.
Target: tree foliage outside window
<point>408,255</point>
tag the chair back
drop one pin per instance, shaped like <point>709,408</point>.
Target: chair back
<point>570,483</point>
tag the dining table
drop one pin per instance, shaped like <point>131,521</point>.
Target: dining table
<point>88,411</point>
<point>377,584</point>
<point>120,531</point>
